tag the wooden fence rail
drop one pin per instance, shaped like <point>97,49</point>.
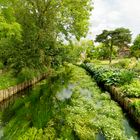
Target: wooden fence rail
<point>6,93</point>
<point>125,102</point>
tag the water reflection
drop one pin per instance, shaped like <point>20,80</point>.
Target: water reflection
<point>100,136</point>
<point>129,128</point>
<point>6,103</point>
<point>65,93</point>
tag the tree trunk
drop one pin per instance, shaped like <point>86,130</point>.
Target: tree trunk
<point>110,57</point>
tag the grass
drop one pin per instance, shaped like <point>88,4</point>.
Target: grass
<point>9,79</point>
<point>128,63</point>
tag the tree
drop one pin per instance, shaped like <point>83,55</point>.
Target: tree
<point>101,52</point>
<point>46,24</point>
<point>119,37</point>
<point>135,48</point>
<point>10,34</point>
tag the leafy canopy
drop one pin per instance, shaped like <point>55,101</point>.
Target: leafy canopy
<point>45,25</point>
<point>119,37</point>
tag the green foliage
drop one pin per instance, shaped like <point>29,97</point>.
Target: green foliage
<point>47,25</point>
<point>84,115</point>
<point>88,47</point>
<point>9,78</point>
<point>110,76</point>
<point>31,32</point>
<point>136,106</point>
<point>10,35</point>
<point>132,89</point>
<point>126,76</point>
<point>27,74</point>
<point>135,48</point>
<point>137,67</point>
<point>1,65</point>
<point>124,63</point>
<point>71,53</point>
<point>119,37</point>
<point>102,52</point>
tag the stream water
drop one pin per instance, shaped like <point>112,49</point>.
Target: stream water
<point>63,92</point>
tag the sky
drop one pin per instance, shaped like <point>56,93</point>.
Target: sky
<point>111,14</point>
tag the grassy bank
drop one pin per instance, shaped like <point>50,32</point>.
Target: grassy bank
<point>125,79</point>
<point>9,78</point>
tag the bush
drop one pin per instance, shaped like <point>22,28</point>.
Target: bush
<point>132,90</point>
<point>137,67</point>
<point>1,65</point>
<point>26,74</point>
<point>123,63</point>
<point>111,76</point>
<point>87,60</point>
<point>136,106</point>
<point>126,76</point>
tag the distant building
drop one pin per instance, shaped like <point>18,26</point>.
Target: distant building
<point>124,52</point>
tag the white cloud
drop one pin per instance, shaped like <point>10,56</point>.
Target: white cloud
<point>110,14</point>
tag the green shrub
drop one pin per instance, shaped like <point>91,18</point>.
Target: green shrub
<point>136,105</point>
<point>123,63</point>
<point>87,60</point>
<point>7,80</point>
<point>26,74</point>
<point>110,76</point>
<point>1,65</point>
<point>137,67</point>
<point>126,76</point>
<point>132,90</point>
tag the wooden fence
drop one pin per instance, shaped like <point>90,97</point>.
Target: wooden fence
<point>6,93</point>
<point>125,102</point>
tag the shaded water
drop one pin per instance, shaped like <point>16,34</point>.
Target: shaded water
<point>100,136</point>
<point>59,88</point>
<point>130,127</point>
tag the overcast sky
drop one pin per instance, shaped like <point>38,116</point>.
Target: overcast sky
<point>110,14</point>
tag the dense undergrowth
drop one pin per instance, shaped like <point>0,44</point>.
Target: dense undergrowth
<point>126,80</point>
<point>67,106</point>
<point>9,78</point>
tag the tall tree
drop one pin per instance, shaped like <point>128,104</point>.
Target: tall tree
<point>119,37</point>
<point>47,23</point>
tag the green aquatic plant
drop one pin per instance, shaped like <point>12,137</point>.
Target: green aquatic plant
<point>86,114</point>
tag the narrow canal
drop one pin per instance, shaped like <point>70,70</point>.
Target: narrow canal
<point>69,106</point>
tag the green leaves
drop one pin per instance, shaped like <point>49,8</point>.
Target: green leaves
<point>110,76</point>
<point>85,115</point>
<point>32,31</point>
<point>135,48</point>
<point>120,37</point>
<point>132,90</point>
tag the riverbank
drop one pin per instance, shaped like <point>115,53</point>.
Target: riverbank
<point>68,105</point>
<point>125,102</point>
